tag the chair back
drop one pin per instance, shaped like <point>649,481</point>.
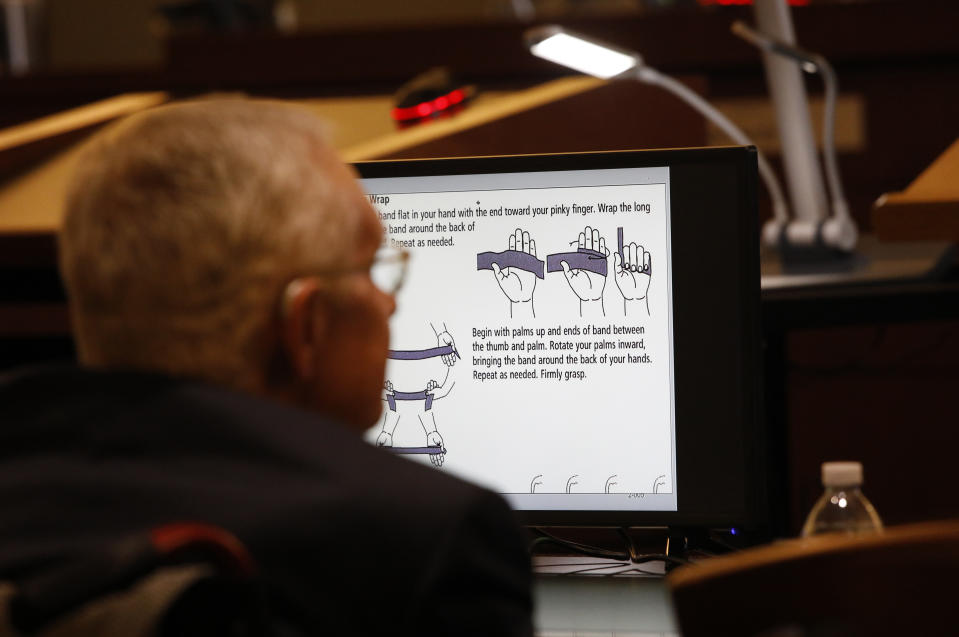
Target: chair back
<point>183,579</point>
<point>902,581</point>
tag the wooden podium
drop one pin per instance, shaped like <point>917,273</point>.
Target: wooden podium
<point>927,209</point>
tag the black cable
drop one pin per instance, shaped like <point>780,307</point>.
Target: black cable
<point>659,557</point>
<point>576,547</point>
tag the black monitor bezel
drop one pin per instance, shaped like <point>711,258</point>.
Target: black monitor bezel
<point>738,245</point>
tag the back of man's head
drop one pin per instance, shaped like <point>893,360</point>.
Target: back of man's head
<point>182,226</point>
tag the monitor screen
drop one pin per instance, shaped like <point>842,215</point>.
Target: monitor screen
<point>558,314</point>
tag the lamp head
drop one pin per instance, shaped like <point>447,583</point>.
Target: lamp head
<point>806,61</point>
<point>579,52</point>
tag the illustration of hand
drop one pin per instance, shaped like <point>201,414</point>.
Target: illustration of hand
<point>388,386</point>
<point>588,286</point>
<point>443,339</point>
<point>632,273</point>
<point>384,440</point>
<point>434,439</point>
<point>518,285</point>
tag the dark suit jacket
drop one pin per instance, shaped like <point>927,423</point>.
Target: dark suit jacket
<point>359,540</point>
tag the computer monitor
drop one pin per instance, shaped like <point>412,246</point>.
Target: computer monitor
<point>580,332</point>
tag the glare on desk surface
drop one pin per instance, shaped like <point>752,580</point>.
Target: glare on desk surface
<point>582,55</point>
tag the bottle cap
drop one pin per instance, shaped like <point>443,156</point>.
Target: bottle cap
<point>841,474</point>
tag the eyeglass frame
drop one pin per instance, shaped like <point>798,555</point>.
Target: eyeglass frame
<point>386,255</point>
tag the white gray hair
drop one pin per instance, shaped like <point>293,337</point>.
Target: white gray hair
<point>182,226</point>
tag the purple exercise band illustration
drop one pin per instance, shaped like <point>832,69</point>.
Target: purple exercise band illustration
<point>417,355</point>
<point>510,259</point>
<point>583,259</point>
<point>426,397</point>
<point>585,270</point>
<point>412,368</point>
<point>420,354</point>
<point>433,451</point>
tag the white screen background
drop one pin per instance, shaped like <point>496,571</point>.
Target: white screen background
<point>605,442</point>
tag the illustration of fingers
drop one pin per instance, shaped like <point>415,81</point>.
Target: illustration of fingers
<point>609,483</point>
<point>570,483</point>
<point>434,440</point>
<point>585,270</point>
<point>515,270</point>
<point>390,420</point>
<point>633,265</point>
<point>535,482</point>
<point>638,257</point>
<point>433,437</point>
<point>632,256</point>
<point>445,338</point>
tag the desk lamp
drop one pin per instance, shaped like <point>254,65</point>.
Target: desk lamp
<point>605,61</point>
<point>839,230</point>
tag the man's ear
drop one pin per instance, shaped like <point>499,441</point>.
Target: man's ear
<point>305,324</point>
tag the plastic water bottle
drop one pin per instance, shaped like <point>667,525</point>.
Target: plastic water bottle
<point>842,508</point>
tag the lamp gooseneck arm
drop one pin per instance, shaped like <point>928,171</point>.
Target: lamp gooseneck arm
<point>652,76</point>
<point>831,85</point>
<point>839,229</point>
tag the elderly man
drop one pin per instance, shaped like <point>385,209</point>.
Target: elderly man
<point>218,260</point>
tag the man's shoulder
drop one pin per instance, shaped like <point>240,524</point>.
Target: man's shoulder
<point>159,416</point>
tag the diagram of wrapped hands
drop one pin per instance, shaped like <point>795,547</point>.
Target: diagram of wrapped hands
<point>417,379</point>
<point>515,270</point>
<point>585,269</point>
